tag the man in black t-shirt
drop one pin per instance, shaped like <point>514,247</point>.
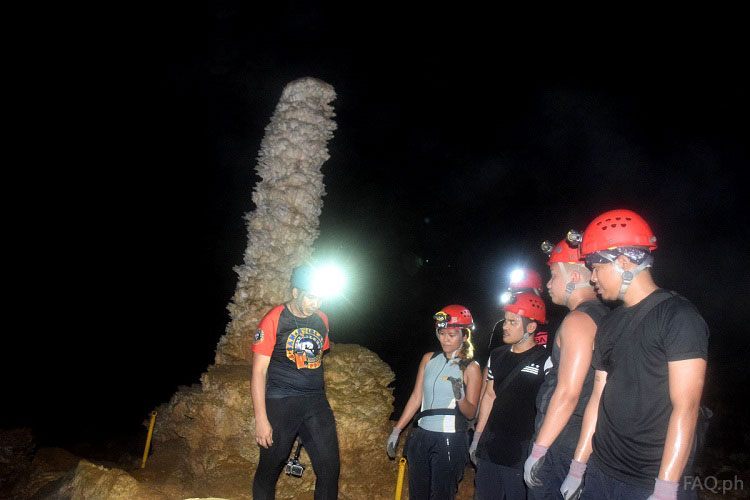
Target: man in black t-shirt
<point>288,390</point>
<point>505,423</point>
<point>650,361</point>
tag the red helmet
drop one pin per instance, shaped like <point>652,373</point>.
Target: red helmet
<point>453,316</point>
<point>525,278</point>
<point>617,228</point>
<point>565,253</point>
<point>529,306</point>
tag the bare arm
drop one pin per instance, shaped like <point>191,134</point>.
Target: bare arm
<point>415,400</point>
<point>576,347</point>
<point>263,429</point>
<point>486,407</point>
<point>481,393</point>
<point>685,387</point>
<point>472,379</point>
<point>584,448</point>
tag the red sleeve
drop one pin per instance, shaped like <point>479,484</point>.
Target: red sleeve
<point>326,342</point>
<point>265,335</point>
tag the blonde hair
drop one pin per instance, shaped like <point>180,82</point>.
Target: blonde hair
<point>467,349</point>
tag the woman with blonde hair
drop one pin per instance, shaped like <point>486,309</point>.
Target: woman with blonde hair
<point>446,394</point>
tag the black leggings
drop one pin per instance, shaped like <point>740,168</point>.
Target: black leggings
<point>310,417</point>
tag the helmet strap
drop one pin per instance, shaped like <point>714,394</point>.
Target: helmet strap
<point>570,287</point>
<point>628,276</point>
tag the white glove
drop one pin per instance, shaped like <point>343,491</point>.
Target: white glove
<point>572,487</point>
<point>533,464</point>
<point>390,446</point>
<point>458,388</point>
<point>664,490</point>
<point>473,447</point>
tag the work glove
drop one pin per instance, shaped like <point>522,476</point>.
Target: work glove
<point>390,446</point>
<point>664,490</point>
<point>572,487</point>
<point>473,447</point>
<point>458,388</point>
<point>533,465</point>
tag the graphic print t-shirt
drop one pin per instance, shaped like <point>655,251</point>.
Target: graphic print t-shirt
<point>296,347</point>
<point>510,425</point>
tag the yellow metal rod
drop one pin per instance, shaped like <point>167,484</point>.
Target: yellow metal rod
<point>148,439</point>
<point>400,480</point>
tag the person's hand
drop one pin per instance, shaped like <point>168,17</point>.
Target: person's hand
<point>664,490</point>
<point>264,433</point>
<point>458,387</point>
<point>473,447</point>
<point>390,446</point>
<point>572,486</point>
<point>533,465</point>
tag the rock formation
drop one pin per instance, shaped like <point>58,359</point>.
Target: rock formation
<point>205,435</point>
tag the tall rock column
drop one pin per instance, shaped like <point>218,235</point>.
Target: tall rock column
<point>288,201</point>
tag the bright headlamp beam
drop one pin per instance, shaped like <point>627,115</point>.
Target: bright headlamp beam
<point>328,281</point>
<point>505,297</point>
<point>516,275</point>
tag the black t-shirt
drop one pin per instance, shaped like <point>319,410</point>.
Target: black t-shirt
<point>635,406</point>
<point>568,438</point>
<point>510,425</point>
<point>296,347</point>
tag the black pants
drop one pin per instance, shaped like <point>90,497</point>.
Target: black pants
<point>498,482</point>
<point>436,463</point>
<point>598,485</point>
<point>310,417</point>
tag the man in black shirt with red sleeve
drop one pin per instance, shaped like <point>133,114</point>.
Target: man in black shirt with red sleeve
<point>288,391</point>
<point>650,361</point>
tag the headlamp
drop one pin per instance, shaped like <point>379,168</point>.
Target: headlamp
<point>327,281</point>
<point>516,275</point>
<point>508,297</point>
<point>441,319</point>
<point>574,238</point>
<point>547,247</point>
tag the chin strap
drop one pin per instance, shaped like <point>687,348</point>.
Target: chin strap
<point>525,337</point>
<point>627,276</point>
<point>570,287</point>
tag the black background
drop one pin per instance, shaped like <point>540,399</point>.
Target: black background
<point>461,145</point>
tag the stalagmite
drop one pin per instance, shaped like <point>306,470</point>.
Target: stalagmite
<point>205,434</point>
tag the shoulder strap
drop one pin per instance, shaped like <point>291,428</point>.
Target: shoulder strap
<point>512,376</point>
<point>651,301</point>
<point>658,299</point>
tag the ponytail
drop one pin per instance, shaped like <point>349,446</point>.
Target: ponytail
<point>467,350</point>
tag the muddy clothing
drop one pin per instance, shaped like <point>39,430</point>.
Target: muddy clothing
<point>635,406</point>
<point>296,347</point>
<point>568,438</point>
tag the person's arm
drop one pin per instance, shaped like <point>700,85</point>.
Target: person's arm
<point>263,429</point>
<point>410,409</point>
<point>576,347</point>
<point>584,448</point>
<point>486,407</point>
<point>415,400</point>
<point>481,393</point>
<point>472,379</point>
<point>686,379</point>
